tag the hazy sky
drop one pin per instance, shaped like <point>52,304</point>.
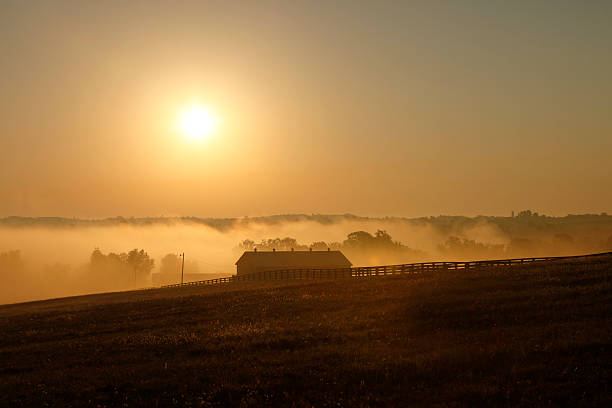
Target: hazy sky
<point>377,108</point>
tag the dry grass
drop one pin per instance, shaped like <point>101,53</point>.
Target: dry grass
<point>538,335</point>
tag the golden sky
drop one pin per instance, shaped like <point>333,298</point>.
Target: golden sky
<point>402,108</point>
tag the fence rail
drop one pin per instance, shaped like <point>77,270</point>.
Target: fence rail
<point>367,271</point>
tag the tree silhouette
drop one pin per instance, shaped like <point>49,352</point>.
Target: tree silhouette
<point>140,262</point>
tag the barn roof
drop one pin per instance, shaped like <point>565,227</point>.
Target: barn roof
<point>294,259</point>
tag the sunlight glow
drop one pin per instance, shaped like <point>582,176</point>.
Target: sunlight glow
<point>197,122</point>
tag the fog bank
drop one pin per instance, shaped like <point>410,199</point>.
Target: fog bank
<point>48,257</point>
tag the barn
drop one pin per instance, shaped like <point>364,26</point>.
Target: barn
<point>256,261</point>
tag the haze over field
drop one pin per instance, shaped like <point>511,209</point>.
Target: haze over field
<point>55,258</point>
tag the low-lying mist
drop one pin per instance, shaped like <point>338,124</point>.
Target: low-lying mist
<point>51,257</point>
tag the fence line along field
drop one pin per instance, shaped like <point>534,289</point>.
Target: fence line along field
<point>384,270</point>
<point>536,333</point>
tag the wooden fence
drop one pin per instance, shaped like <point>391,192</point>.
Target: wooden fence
<point>368,271</point>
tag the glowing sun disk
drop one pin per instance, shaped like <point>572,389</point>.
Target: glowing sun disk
<point>197,122</point>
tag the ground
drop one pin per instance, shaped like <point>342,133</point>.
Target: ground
<point>534,335</point>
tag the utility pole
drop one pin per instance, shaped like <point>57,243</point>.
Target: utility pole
<point>182,267</point>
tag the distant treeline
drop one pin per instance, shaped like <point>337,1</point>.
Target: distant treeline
<point>527,237</point>
<point>359,246</point>
<point>523,219</point>
<point>19,279</point>
<point>133,267</point>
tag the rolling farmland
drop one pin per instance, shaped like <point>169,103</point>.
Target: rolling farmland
<point>533,334</point>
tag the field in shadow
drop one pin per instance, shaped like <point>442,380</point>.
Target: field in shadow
<point>533,335</point>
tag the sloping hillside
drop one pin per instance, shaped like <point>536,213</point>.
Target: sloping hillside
<point>536,335</point>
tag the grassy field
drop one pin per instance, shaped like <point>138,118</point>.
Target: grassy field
<point>535,335</point>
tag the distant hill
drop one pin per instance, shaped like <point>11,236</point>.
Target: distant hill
<point>444,222</point>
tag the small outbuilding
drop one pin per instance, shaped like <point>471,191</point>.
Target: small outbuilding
<point>257,261</point>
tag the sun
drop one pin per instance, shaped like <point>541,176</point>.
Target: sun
<point>197,122</point>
